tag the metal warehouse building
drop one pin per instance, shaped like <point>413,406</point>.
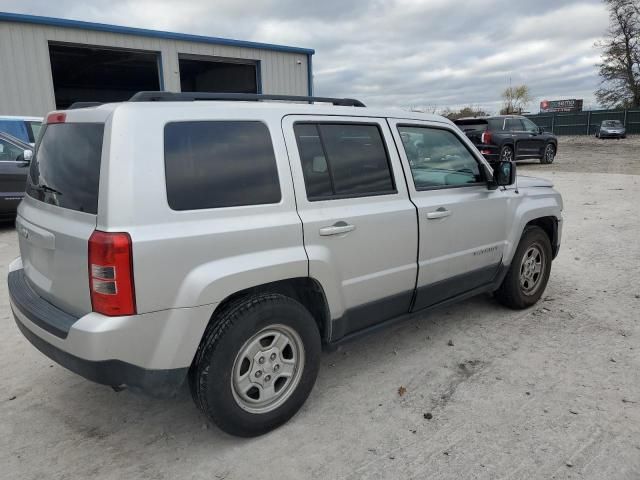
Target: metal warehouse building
<point>49,63</point>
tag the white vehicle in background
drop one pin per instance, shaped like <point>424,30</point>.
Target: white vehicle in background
<point>223,242</point>
<point>26,129</point>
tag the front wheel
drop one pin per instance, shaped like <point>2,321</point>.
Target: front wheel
<point>549,154</point>
<point>256,365</point>
<point>529,270</point>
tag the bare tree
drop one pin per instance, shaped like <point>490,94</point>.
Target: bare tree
<point>468,111</point>
<point>620,60</point>
<point>515,99</point>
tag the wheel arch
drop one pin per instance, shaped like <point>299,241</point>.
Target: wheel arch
<point>549,225</point>
<point>306,290</point>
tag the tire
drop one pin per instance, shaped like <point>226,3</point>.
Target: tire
<point>266,333</point>
<point>549,154</point>
<point>513,293</point>
<point>506,154</point>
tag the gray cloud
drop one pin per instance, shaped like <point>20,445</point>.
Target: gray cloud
<point>393,53</point>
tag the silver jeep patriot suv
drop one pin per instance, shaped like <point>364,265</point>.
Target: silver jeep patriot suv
<point>224,241</point>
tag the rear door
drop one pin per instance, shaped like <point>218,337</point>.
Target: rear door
<point>462,224</point>
<point>520,137</point>
<point>360,229</point>
<point>58,214</point>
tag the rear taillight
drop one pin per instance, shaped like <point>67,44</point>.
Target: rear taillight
<point>111,273</point>
<point>485,137</point>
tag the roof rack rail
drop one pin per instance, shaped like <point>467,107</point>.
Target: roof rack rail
<point>197,96</point>
<point>76,105</point>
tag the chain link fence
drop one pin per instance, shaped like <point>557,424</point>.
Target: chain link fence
<point>586,123</point>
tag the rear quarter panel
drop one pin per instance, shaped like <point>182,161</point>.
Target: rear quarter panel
<point>197,257</point>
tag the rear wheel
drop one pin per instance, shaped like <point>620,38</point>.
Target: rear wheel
<point>256,365</point>
<point>506,154</point>
<point>529,270</point>
<point>549,154</point>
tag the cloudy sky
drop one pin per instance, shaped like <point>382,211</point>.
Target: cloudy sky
<point>407,53</point>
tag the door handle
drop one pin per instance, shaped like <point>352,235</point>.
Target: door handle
<point>337,229</point>
<point>439,213</point>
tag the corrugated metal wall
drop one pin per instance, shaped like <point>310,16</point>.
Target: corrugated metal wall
<point>26,85</point>
<point>586,123</point>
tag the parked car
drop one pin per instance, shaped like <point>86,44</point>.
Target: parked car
<point>246,235</point>
<point>15,156</point>
<point>23,128</point>
<point>509,138</point>
<point>611,129</point>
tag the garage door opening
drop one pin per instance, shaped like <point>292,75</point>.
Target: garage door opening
<point>98,74</point>
<point>219,76</point>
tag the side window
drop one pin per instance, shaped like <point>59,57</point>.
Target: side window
<point>9,152</point>
<point>513,124</point>
<point>438,158</point>
<point>214,164</point>
<point>529,126</point>
<point>343,160</point>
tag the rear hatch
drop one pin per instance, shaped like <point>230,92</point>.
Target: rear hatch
<point>473,128</point>
<point>59,212</point>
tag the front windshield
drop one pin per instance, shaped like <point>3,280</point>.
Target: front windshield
<point>612,123</point>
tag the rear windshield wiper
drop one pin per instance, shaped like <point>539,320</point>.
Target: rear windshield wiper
<point>47,189</point>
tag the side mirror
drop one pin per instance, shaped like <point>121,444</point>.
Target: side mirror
<point>540,129</point>
<point>27,155</point>
<point>504,174</point>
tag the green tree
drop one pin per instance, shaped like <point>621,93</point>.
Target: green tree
<point>515,99</point>
<point>619,67</point>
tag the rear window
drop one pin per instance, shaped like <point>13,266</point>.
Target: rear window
<point>65,170</point>
<point>214,164</point>
<point>479,124</point>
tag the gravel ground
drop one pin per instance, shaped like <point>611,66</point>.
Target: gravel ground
<point>550,392</point>
<point>591,154</point>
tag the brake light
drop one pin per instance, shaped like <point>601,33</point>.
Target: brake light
<point>111,273</point>
<point>56,117</point>
<point>485,137</point>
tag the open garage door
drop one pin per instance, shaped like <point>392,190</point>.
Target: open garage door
<point>217,75</point>
<point>99,74</point>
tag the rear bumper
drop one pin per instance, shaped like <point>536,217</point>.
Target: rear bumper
<point>148,352</point>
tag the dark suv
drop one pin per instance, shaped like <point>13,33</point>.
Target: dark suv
<point>509,137</point>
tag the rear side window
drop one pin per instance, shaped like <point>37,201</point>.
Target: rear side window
<point>343,160</point>
<point>65,170</point>
<point>216,164</point>
<point>513,124</point>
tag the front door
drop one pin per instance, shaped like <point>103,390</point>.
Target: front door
<point>462,224</point>
<point>535,139</point>
<point>359,225</point>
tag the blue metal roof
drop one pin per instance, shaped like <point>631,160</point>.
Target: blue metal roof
<point>143,32</point>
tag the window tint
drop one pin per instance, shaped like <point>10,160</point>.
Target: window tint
<point>217,164</point>
<point>343,160</point>
<point>9,152</point>
<point>438,158</point>
<point>65,170</point>
<point>529,126</point>
<point>496,124</point>
<point>34,130</point>
<point>513,124</point>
